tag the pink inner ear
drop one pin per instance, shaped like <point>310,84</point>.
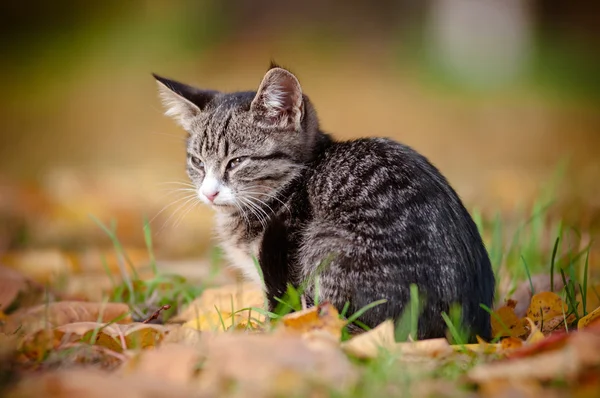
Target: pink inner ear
<point>279,98</point>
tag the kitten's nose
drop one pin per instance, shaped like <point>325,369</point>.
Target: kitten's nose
<point>211,195</point>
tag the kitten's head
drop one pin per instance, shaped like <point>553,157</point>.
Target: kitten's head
<point>245,147</point>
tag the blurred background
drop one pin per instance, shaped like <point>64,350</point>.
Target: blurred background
<point>503,96</point>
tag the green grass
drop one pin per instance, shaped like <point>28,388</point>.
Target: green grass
<point>145,296</point>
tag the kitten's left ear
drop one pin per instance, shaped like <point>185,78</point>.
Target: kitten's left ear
<point>182,102</point>
<point>278,102</point>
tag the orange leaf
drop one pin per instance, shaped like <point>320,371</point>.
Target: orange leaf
<point>511,343</point>
<point>589,318</point>
<point>545,306</point>
<point>323,317</point>
<point>510,324</point>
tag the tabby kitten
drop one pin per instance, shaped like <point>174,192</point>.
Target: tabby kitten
<point>370,216</point>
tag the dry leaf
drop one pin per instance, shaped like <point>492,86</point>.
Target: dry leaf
<point>171,363</point>
<point>64,312</point>
<point>115,337</point>
<point>434,348</point>
<point>545,306</point>
<point>582,352</point>
<point>40,265</point>
<point>480,348</point>
<point>511,343</point>
<point>11,284</point>
<point>221,306</point>
<point>557,324</point>
<point>184,336</point>
<point>95,384</point>
<point>510,325</point>
<point>323,317</point>
<point>369,344</point>
<point>280,364</point>
<point>535,335</point>
<point>522,294</point>
<point>588,319</point>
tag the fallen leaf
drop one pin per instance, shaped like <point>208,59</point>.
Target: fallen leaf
<point>323,317</point>
<point>523,295</point>
<point>77,383</point>
<point>81,354</point>
<point>545,306</point>
<point>582,352</point>
<point>505,322</point>
<point>511,343</point>
<point>43,266</point>
<point>171,363</point>
<point>61,313</point>
<point>13,284</point>
<point>535,335</point>
<point>369,344</point>
<point>433,348</point>
<point>552,342</point>
<point>589,318</point>
<point>280,364</point>
<point>115,337</point>
<point>184,336</point>
<point>557,324</point>
<point>224,306</point>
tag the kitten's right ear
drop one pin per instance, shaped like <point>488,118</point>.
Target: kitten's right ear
<point>182,102</point>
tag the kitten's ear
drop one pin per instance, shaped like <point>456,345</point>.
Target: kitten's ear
<point>182,102</point>
<point>278,102</point>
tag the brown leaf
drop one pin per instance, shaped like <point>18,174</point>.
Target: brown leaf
<point>64,312</point>
<point>13,284</point>
<point>78,383</point>
<point>171,363</point>
<point>280,364</point>
<point>433,348</point>
<point>184,336</point>
<point>115,337</point>
<point>557,324</point>
<point>40,265</point>
<point>582,352</point>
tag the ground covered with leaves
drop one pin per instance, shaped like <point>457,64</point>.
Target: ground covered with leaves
<point>121,322</point>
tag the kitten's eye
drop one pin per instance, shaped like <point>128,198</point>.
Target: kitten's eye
<point>235,162</point>
<point>197,162</point>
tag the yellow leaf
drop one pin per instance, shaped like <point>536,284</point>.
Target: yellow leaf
<point>368,345</point>
<point>535,334</point>
<point>202,313</point>
<point>511,343</point>
<point>545,306</point>
<point>509,324</point>
<point>322,317</point>
<point>589,318</point>
<point>481,348</point>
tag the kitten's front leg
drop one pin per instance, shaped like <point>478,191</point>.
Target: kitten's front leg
<point>273,260</point>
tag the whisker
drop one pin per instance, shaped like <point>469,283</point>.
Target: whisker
<point>171,204</point>
<point>185,213</point>
<point>253,208</point>
<point>175,212</point>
